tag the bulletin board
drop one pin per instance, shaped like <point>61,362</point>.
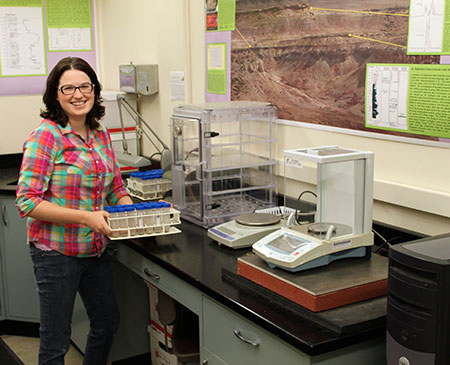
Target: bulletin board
<point>36,34</point>
<point>310,59</point>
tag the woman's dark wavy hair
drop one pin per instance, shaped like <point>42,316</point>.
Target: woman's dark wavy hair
<point>53,110</point>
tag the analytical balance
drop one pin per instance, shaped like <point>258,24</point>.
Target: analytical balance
<point>246,229</point>
<point>343,222</point>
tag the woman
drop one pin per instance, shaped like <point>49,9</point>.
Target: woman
<point>68,174</point>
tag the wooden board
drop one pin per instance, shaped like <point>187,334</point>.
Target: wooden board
<point>340,283</point>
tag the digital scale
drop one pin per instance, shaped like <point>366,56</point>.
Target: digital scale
<point>343,221</point>
<point>246,229</point>
<point>303,247</point>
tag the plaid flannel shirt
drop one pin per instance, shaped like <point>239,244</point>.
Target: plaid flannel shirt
<point>60,167</point>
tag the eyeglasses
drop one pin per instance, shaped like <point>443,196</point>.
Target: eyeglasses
<point>70,89</point>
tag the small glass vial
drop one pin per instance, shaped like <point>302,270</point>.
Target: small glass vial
<point>165,216</point>
<point>165,212</point>
<point>113,221</point>
<point>131,219</point>
<point>149,218</point>
<point>123,224</point>
<point>140,209</point>
<point>158,218</point>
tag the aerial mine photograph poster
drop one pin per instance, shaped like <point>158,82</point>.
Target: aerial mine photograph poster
<point>345,63</point>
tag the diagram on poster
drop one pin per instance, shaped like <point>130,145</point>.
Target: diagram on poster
<point>61,39</point>
<point>386,96</point>
<point>410,98</point>
<point>22,41</point>
<point>426,27</point>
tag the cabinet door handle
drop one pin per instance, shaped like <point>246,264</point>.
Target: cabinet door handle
<point>112,250</point>
<point>237,333</point>
<point>5,220</point>
<point>150,275</point>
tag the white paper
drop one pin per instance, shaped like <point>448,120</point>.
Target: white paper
<point>61,39</point>
<point>22,41</point>
<point>216,57</point>
<point>177,85</point>
<point>426,26</point>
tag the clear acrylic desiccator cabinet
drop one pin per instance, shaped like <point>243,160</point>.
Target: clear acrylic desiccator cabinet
<point>223,160</point>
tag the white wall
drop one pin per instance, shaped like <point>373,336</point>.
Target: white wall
<point>20,114</point>
<point>152,31</point>
<point>412,182</point>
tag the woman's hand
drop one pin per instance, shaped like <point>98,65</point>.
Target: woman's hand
<point>96,221</point>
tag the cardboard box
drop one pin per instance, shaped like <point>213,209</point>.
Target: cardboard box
<point>158,351</point>
<point>155,324</point>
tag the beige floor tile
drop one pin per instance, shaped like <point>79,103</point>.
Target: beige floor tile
<point>26,349</point>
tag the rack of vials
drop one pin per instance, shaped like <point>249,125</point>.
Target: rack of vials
<point>148,185</point>
<point>142,220</point>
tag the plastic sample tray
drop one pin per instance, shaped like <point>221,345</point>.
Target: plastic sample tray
<point>135,224</point>
<point>148,189</point>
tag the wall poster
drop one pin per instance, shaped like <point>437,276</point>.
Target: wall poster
<point>310,58</point>
<point>36,34</point>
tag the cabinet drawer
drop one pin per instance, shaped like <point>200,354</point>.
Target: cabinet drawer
<point>235,340</point>
<point>159,277</point>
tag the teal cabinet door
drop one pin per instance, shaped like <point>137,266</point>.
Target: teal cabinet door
<point>20,292</point>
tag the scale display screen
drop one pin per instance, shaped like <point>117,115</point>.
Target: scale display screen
<point>227,231</point>
<point>288,243</point>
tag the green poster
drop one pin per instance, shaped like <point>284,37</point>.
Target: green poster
<point>220,15</point>
<point>216,68</point>
<point>69,25</point>
<point>409,98</point>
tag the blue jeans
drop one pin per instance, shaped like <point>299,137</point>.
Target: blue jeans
<point>58,278</point>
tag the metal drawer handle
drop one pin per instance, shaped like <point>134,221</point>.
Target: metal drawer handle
<point>237,333</point>
<point>112,250</point>
<point>150,275</point>
<point>5,220</point>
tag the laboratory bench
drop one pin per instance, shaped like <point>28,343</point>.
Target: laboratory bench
<point>201,275</point>
<point>195,270</point>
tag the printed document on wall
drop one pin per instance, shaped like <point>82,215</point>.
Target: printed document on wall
<point>22,46</point>
<point>69,25</point>
<point>429,27</point>
<point>409,98</point>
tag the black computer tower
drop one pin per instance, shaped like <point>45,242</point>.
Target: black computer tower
<point>418,309</point>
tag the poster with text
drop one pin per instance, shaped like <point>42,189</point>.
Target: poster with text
<point>410,98</point>
<point>309,58</point>
<point>36,34</point>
